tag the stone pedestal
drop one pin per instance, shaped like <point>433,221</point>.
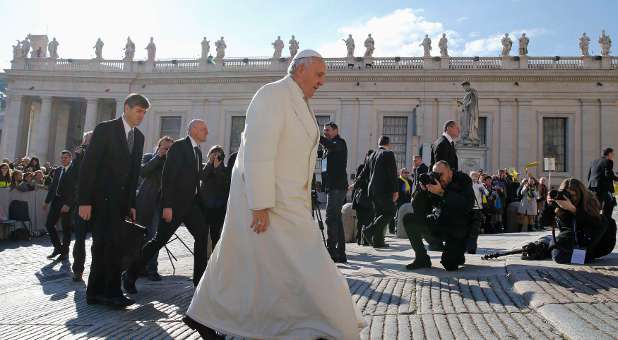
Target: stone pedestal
<point>471,157</point>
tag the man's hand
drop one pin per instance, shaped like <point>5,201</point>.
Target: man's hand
<point>395,196</point>
<point>44,206</point>
<point>65,209</point>
<point>85,212</point>
<point>133,214</point>
<point>167,215</point>
<point>260,221</point>
<point>435,189</point>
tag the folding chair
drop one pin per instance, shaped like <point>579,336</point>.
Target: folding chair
<point>170,255</point>
<point>18,212</point>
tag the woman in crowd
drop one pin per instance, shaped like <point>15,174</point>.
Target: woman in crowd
<point>27,184</point>
<point>5,175</point>
<point>581,224</point>
<point>215,192</point>
<point>527,206</point>
<point>16,178</point>
<point>39,180</point>
<point>34,165</point>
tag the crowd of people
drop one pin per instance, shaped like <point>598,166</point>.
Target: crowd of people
<point>25,174</point>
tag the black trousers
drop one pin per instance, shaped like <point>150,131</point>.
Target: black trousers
<point>107,251</point>
<point>53,216</point>
<point>607,201</point>
<point>195,222</point>
<point>80,227</point>
<point>454,247</point>
<point>364,217</point>
<point>336,235</point>
<point>214,221</point>
<point>384,209</point>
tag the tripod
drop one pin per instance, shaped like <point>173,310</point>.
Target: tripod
<point>317,214</point>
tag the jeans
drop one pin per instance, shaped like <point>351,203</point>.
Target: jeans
<point>151,230</point>
<point>336,236</point>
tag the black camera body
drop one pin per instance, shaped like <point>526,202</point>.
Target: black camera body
<point>559,195</point>
<point>429,178</point>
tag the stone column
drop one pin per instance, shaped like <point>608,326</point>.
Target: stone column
<point>41,134</point>
<point>12,119</point>
<point>526,134</point>
<point>506,140</point>
<point>91,114</point>
<point>349,131</point>
<point>119,107</point>
<point>367,138</point>
<point>609,122</point>
<point>591,132</point>
<point>214,118</point>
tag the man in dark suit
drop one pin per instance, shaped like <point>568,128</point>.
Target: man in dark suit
<point>418,169</point>
<point>443,149</point>
<point>80,227</point>
<point>601,179</point>
<point>60,195</point>
<point>107,184</point>
<point>182,202</point>
<point>149,198</point>
<point>383,191</point>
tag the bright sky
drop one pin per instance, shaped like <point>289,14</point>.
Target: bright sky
<point>474,27</point>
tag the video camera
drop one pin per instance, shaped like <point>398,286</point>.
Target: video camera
<point>429,178</point>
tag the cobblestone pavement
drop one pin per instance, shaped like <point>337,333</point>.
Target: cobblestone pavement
<point>499,299</point>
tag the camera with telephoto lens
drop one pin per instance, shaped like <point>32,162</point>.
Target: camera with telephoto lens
<point>429,178</point>
<point>559,195</point>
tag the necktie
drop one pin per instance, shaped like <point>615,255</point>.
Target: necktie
<point>130,140</point>
<point>453,144</point>
<point>59,181</point>
<point>198,157</point>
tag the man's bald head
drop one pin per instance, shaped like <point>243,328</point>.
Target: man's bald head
<point>198,130</point>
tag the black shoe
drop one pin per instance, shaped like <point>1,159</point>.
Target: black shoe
<point>381,246</point>
<point>77,277</point>
<point>154,276</point>
<point>63,257</point>
<point>95,300</point>
<point>119,302</point>
<point>341,259</point>
<point>55,253</point>
<point>128,283</point>
<point>205,332</point>
<point>366,236</point>
<point>419,263</point>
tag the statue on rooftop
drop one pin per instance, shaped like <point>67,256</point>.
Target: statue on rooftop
<point>349,44</point>
<point>584,44</point>
<point>98,49</point>
<point>52,47</point>
<point>152,50</point>
<point>606,44</point>
<point>523,44</point>
<point>278,45</point>
<point>369,47</point>
<point>293,46</point>
<point>426,46</point>
<point>129,50</point>
<point>221,46</point>
<point>443,45</point>
<point>205,48</point>
<point>507,44</point>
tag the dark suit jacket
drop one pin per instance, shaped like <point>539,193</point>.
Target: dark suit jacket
<point>149,193</point>
<point>601,175</point>
<point>108,172</point>
<point>62,189</point>
<point>180,177</point>
<point>383,177</point>
<point>442,150</point>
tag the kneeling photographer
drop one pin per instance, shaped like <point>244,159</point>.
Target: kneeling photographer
<point>442,209</point>
<point>585,234</point>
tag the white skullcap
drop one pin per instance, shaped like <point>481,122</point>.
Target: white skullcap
<point>306,54</point>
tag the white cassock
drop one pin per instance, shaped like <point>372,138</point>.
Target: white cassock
<point>280,284</point>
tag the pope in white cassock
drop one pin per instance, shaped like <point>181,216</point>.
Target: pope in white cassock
<point>270,276</point>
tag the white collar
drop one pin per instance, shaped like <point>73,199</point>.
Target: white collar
<point>193,142</point>
<point>450,139</point>
<point>297,89</point>
<point>127,127</point>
